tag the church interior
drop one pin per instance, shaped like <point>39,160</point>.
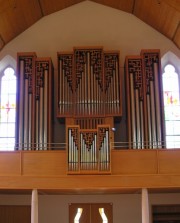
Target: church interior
<point>89,126</point>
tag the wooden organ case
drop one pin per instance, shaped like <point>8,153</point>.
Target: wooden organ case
<point>34,102</point>
<point>144,100</point>
<point>89,97</point>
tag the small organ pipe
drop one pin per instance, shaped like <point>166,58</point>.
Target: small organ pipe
<point>25,126</point>
<point>88,79</point>
<point>157,102</point>
<point>41,115</point>
<point>63,99</point>
<point>21,104</point>
<point>107,146</point>
<point>133,132</point>
<point>142,123</point>
<point>69,148</point>
<point>153,118</point>
<point>37,124</point>
<point>149,121</point>
<point>117,83</point>
<point>45,132</point>
<point>138,136</point>
<point>30,121</point>
<point>60,88</point>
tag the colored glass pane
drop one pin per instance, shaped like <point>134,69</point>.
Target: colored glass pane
<point>7,109</point>
<point>171,106</point>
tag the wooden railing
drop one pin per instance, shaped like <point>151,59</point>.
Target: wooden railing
<point>130,170</point>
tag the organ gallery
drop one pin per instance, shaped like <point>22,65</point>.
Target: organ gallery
<point>89,101</point>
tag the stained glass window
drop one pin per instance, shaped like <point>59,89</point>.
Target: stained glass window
<point>171,106</point>
<point>7,109</point>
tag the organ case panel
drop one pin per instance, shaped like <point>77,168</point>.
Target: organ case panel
<point>144,100</point>
<point>154,99</point>
<point>135,102</point>
<point>34,81</point>
<point>88,150</point>
<point>89,83</point>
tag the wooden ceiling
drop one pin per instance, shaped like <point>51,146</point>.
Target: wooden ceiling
<point>18,15</point>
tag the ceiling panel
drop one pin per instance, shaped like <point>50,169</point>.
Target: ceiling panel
<point>158,14</point>
<point>50,6</point>
<point>126,5</point>
<point>16,16</point>
<point>173,3</point>
<point>177,37</point>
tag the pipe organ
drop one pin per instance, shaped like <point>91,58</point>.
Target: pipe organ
<point>89,97</point>
<point>34,102</point>
<point>144,100</point>
<point>89,83</point>
<point>88,150</point>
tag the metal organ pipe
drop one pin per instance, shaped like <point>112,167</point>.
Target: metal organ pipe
<point>25,128</point>
<point>142,123</point>
<point>37,124</point>
<point>46,107</point>
<point>60,87</point>
<point>21,105</point>
<point>153,117</point>
<point>133,124</point>
<point>149,121</point>
<point>41,114</point>
<point>117,87</point>
<point>157,102</point>
<point>69,149</point>
<point>138,132</point>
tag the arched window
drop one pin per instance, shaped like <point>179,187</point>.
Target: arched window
<point>171,93</point>
<point>7,109</point>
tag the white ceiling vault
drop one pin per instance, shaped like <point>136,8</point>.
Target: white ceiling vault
<point>18,15</point>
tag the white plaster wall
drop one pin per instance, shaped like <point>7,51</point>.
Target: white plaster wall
<point>88,24</point>
<point>126,207</point>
